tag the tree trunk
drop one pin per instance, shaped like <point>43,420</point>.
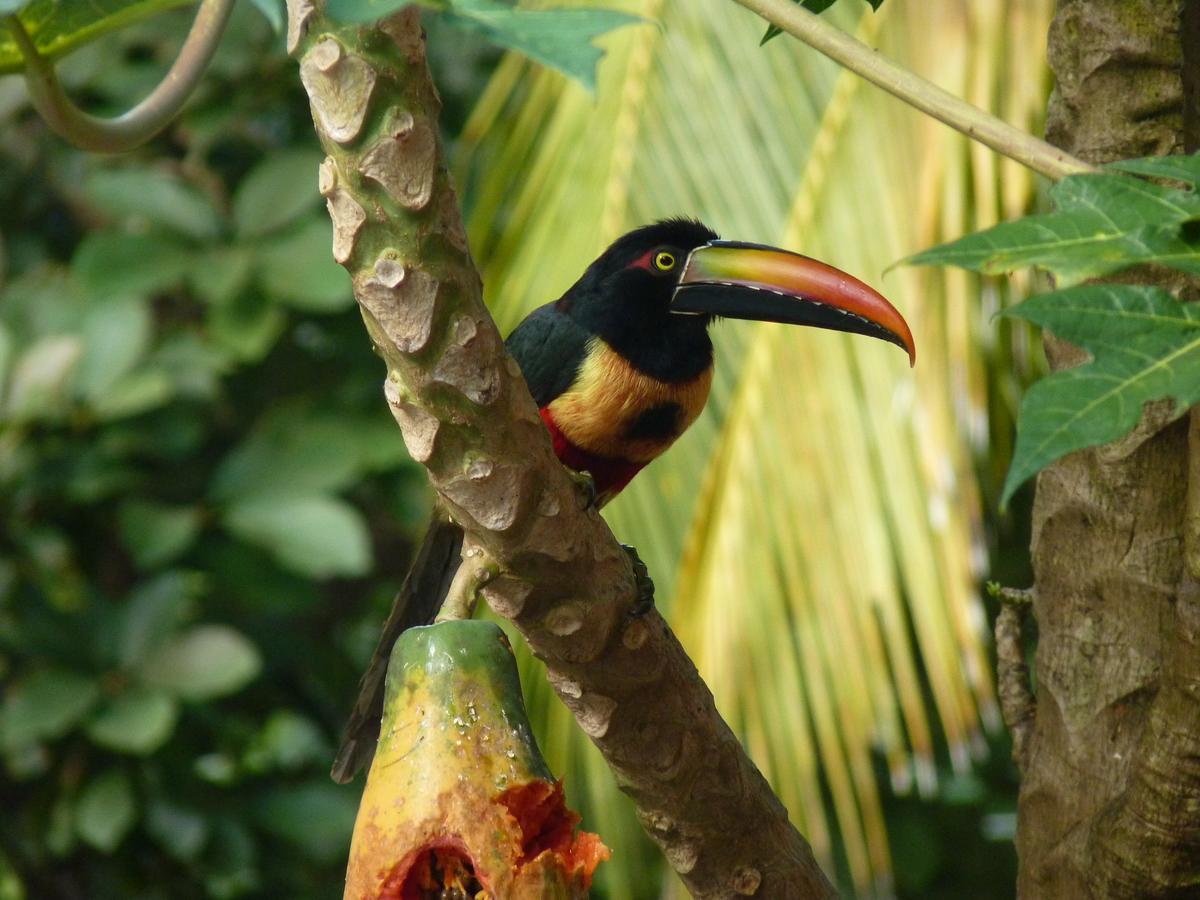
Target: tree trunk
<point>1110,794</point>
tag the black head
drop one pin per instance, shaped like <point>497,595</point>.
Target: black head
<point>625,298</point>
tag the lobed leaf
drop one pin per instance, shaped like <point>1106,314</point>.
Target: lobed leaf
<point>1102,224</point>
<point>59,26</point>
<point>1145,346</point>
<point>559,38</point>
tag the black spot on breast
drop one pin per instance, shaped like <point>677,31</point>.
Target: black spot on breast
<point>658,423</point>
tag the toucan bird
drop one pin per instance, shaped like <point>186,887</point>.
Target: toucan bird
<point>619,366</point>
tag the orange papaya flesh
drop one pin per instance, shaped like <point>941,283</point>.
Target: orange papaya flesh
<point>459,803</point>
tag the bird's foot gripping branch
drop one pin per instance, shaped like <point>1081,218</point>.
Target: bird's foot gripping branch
<point>459,802</point>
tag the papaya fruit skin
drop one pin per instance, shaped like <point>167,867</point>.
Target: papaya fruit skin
<point>457,771</point>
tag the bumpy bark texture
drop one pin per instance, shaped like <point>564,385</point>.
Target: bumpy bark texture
<point>466,414</point>
<point>1110,798</point>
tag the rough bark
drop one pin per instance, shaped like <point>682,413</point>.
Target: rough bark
<point>466,414</point>
<point>1110,798</point>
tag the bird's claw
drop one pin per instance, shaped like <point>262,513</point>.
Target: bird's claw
<point>585,484</point>
<point>641,577</point>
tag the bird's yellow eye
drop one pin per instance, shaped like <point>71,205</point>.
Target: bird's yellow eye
<point>664,261</point>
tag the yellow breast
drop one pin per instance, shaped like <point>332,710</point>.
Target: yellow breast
<point>614,410</point>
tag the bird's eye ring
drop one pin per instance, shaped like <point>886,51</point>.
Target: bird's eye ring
<point>664,261</point>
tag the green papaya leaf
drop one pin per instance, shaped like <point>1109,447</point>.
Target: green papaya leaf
<point>1176,168</point>
<point>1101,224</point>
<point>559,38</point>
<point>1145,345</point>
<point>59,26</point>
<point>203,662</point>
<point>45,705</point>
<point>106,811</point>
<point>813,6</point>
<point>317,535</point>
<point>137,721</point>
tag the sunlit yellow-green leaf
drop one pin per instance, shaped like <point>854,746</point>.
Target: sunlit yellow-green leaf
<point>815,537</point>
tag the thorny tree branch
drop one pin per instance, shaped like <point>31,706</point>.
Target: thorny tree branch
<point>467,416</point>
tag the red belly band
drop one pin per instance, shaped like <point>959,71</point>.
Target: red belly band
<point>611,475</point>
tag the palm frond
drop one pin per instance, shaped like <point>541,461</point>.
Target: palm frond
<point>816,536</point>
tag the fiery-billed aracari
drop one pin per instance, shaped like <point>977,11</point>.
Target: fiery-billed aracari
<point>620,366</point>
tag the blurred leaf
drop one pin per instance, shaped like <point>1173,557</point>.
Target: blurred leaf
<point>6,354</point>
<point>314,535</point>
<point>218,274</point>
<point>154,611</point>
<point>38,387</point>
<point>182,832</point>
<point>106,810</point>
<point>45,705</point>
<point>60,829</point>
<point>317,816</point>
<point>58,27</point>
<point>192,363</point>
<point>1145,346</point>
<point>134,394</point>
<point>247,327</point>
<point>292,451</point>
<point>204,662</point>
<point>10,882</point>
<point>216,768</point>
<point>1102,224</point>
<point>113,263</point>
<point>156,197</point>
<point>287,742</point>
<point>138,721</point>
<point>273,12</point>
<point>277,191</point>
<point>298,269</point>
<point>156,533</point>
<point>116,333</point>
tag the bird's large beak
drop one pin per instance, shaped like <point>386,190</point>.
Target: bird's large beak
<point>749,281</point>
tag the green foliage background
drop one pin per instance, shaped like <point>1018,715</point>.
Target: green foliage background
<point>205,507</point>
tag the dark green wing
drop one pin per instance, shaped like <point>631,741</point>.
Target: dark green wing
<point>549,347</point>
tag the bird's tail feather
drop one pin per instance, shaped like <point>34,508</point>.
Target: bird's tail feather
<point>417,603</point>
